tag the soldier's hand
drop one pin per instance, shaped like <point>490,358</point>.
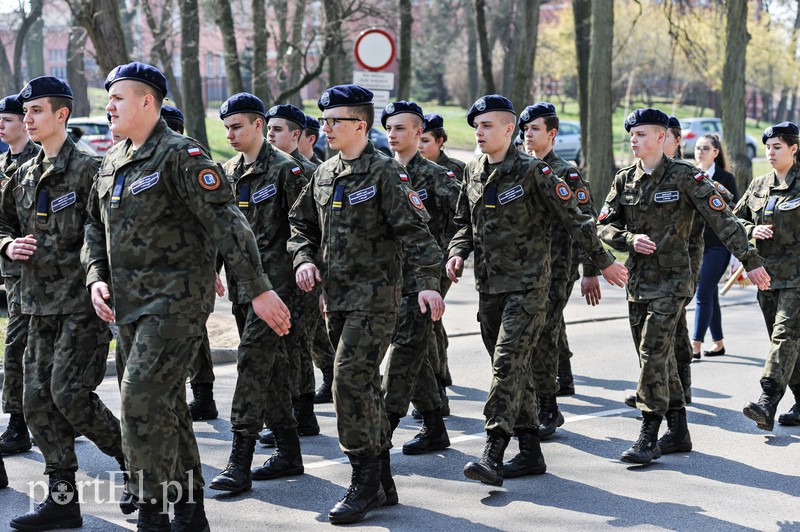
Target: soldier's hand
<point>762,232</point>
<point>433,300</point>
<point>100,295</point>
<point>453,268</point>
<point>616,274</point>
<point>642,244</point>
<point>269,307</point>
<point>590,289</point>
<point>21,248</point>
<point>307,276</point>
<point>759,277</point>
<point>220,288</point>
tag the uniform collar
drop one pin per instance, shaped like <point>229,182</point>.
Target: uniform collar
<point>358,166</point>
<point>656,174</point>
<point>146,150</point>
<point>790,177</point>
<point>414,164</point>
<point>60,163</point>
<point>260,165</point>
<point>505,166</point>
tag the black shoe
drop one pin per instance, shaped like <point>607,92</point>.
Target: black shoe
<point>696,355</point>
<point>489,469</point>
<point>307,424</point>
<point>566,383</point>
<point>127,502</point>
<point>432,437</point>
<point>203,406</point>
<point>416,414</point>
<point>266,438</point>
<point>235,478</point>
<point>677,438</point>
<point>59,510</point>
<point>16,438</point>
<point>3,475</point>
<point>685,374</point>
<point>387,482</point>
<point>550,418</point>
<point>286,461</point>
<point>365,492</point>
<point>630,401</point>
<point>529,461</point>
<point>792,417</point>
<point>646,448</point>
<point>324,393</point>
<point>190,516</point>
<point>712,353</point>
<point>763,411</point>
<point>151,519</point>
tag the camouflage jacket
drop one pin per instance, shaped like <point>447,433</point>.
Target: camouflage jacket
<point>157,217</point>
<point>264,193</point>
<point>362,217</point>
<point>50,205</point>
<point>767,201</point>
<point>505,218</point>
<point>8,267</point>
<point>439,193</point>
<point>663,206</point>
<point>456,172</point>
<point>307,166</point>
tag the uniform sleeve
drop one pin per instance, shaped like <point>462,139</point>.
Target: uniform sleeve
<point>611,226</point>
<point>9,223</point>
<point>94,255</point>
<point>586,204</point>
<point>306,235</point>
<point>461,245</point>
<point>743,212</point>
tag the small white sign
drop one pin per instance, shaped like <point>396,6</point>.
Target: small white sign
<point>381,99</point>
<point>374,80</point>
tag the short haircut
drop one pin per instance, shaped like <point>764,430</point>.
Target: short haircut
<point>293,126</point>
<point>143,88</point>
<point>308,132</point>
<point>551,122</point>
<point>365,113</point>
<point>416,120</point>
<point>57,102</point>
<point>252,117</point>
<point>507,118</point>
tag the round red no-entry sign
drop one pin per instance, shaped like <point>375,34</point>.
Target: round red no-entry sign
<point>375,49</point>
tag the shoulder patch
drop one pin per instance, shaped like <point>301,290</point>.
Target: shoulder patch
<point>415,200</point>
<point>403,177</point>
<point>208,179</point>
<point>194,151</point>
<point>720,188</point>
<point>716,202</point>
<point>546,170</point>
<point>604,213</point>
<point>582,195</point>
<point>699,176</point>
<point>296,170</point>
<point>563,192</point>
<point>450,173</point>
<point>574,175</point>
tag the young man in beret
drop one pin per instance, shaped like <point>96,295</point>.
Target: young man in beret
<point>15,439</point>
<point>159,213</point>
<point>308,139</point>
<point>649,213</point>
<point>408,370</point>
<point>505,211</point>
<point>356,219</point>
<point>42,215</point>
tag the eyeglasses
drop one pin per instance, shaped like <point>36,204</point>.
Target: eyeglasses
<point>703,149</point>
<point>333,120</point>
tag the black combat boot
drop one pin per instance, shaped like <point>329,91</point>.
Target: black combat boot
<point>151,518</point>
<point>266,438</point>
<point>3,475</point>
<point>324,393</point>
<point>676,439</point>
<point>286,461</point>
<point>432,437</point>
<point>792,417</point>
<point>127,502</point>
<point>235,478</point>
<point>646,448</point>
<point>203,406</point>
<point>394,420</point>
<point>386,479</point>
<point>444,406</point>
<point>15,439</point>
<point>489,469</point>
<point>59,510</point>
<point>416,414</point>
<point>307,424</point>
<point>630,401</point>
<point>566,383</point>
<point>190,516</point>
<point>529,461</point>
<point>549,416</point>
<point>685,374</point>
<point>763,410</point>
<point>364,494</point>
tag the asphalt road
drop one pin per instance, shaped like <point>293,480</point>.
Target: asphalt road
<point>737,477</point>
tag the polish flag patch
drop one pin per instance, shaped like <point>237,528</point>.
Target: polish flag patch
<point>403,177</point>
<point>573,175</point>
<point>451,174</point>
<point>296,170</point>
<point>194,151</point>
<point>546,170</point>
<point>699,176</point>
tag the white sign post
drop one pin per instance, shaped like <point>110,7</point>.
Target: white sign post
<point>375,51</point>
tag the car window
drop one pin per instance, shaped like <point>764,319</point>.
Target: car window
<point>567,129</point>
<point>710,127</point>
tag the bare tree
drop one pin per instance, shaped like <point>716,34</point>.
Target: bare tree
<point>28,20</point>
<point>524,71</point>
<point>7,84</point>
<point>733,98</point>
<point>295,56</point>
<point>194,110</point>
<point>259,66</point>
<point>404,61</point>
<point>75,72</point>
<point>34,49</point>
<point>161,33</point>
<point>483,47</point>
<point>223,16</point>
<point>472,50</point>
<point>101,18</point>
<point>582,14</point>
<point>600,151</point>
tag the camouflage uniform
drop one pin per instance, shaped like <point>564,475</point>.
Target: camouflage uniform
<point>67,346</point>
<point>361,217</point>
<point>663,206</point>
<point>505,215</point>
<point>767,201</point>
<point>157,217</point>
<point>265,191</point>
<point>17,327</point>
<point>408,367</point>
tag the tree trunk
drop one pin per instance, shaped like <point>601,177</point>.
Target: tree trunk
<point>22,34</point>
<point>194,110</point>
<point>295,60</point>
<point>76,77</point>
<point>34,50</point>
<point>337,62</point>
<point>733,93</point>
<point>581,10</point>
<point>404,61</point>
<point>7,85</point>
<point>160,33</point>
<point>223,16</point>
<point>512,46</point>
<point>483,46</point>
<point>259,66</point>
<point>102,20</point>
<point>600,152</point>
<point>473,83</point>
<point>523,79</point>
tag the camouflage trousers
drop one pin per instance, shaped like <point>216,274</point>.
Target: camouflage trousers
<point>510,326</point>
<point>437,353</point>
<point>300,341</point>
<point>321,350</point>
<point>781,310</point>
<point>653,325</point>
<point>16,339</point>
<point>408,365</point>
<point>262,378</point>
<point>682,343</point>
<point>203,366</point>
<point>361,339</point>
<point>65,361</point>
<point>547,354</point>
<point>157,352</point>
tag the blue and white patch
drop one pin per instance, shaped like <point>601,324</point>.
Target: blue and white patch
<point>144,183</point>
<point>789,205</point>
<point>422,193</point>
<point>62,202</point>
<point>360,196</point>
<point>510,195</point>
<point>668,196</point>
<point>263,193</point>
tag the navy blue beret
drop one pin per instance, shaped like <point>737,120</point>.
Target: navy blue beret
<point>168,111</point>
<point>11,105</point>
<point>784,128</point>
<point>399,107</point>
<point>344,96</point>
<point>289,112</point>
<point>312,123</point>
<point>137,71</point>
<point>537,110</point>
<point>42,87</point>
<point>649,116</point>
<point>108,117</point>
<point>487,104</point>
<point>674,123</point>
<point>243,102</point>
<point>432,121</point>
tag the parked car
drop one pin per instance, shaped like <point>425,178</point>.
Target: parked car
<point>76,134</point>
<point>377,137</point>
<point>568,141</point>
<point>95,132</point>
<point>694,128</point>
